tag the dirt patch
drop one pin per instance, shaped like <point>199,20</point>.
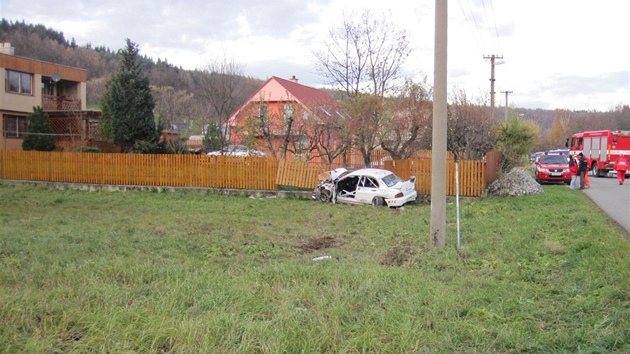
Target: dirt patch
<point>315,244</point>
<point>398,256</point>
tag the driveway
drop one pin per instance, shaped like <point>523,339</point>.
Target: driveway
<point>612,198</point>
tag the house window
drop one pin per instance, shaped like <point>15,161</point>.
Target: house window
<point>13,126</point>
<point>262,116</point>
<point>288,113</point>
<point>262,110</point>
<point>18,82</point>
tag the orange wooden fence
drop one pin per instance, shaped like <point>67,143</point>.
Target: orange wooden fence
<point>210,171</point>
<point>134,169</point>
<point>471,175</point>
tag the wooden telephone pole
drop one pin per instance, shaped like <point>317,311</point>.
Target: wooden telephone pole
<point>492,64</point>
<point>506,102</point>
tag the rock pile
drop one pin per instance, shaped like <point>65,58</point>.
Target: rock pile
<point>515,183</point>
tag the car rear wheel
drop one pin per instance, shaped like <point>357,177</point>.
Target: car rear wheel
<point>378,201</point>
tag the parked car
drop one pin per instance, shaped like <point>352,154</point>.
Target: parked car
<point>366,186</point>
<point>237,150</point>
<point>553,168</point>
<point>560,151</point>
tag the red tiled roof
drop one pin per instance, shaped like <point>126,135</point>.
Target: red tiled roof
<point>306,95</point>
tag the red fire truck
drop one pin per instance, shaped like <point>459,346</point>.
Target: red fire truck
<point>601,148</point>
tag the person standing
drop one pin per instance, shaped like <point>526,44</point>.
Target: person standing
<point>582,167</point>
<point>621,165</point>
<point>573,170</point>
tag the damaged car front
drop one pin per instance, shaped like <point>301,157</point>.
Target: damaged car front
<point>366,186</point>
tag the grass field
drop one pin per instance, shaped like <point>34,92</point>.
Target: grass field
<point>140,272</point>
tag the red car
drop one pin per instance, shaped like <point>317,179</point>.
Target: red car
<point>553,168</point>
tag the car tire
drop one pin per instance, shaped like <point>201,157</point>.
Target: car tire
<point>378,201</point>
<point>324,196</point>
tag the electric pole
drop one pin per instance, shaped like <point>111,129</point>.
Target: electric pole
<point>438,148</point>
<point>492,64</point>
<point>506,102</point>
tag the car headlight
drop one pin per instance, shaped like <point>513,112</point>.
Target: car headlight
<point>540,169</point>
<point>565,170</point>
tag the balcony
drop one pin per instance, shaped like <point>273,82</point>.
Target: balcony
<point>56,103</point>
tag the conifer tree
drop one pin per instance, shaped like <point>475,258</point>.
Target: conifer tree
<point>213,139</point>
<point>127,107</point>
<point>39,134</point>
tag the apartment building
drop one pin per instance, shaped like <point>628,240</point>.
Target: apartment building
<point>60,90</point>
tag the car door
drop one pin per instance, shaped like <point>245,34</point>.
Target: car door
<point>367,189</point>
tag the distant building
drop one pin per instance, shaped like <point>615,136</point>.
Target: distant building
<point>276,102</point>
<point>60,90</point>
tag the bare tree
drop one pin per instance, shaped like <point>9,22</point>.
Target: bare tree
<point>221,86</point>
<point>327,132</point>
<point>407,118</point>
<point>280,127</point>
<point>469,135</point>
<point>364,55</point>
<point>364,120</point>
<point>559,132</point>
<point>172,107</point>
<point>363,58</point>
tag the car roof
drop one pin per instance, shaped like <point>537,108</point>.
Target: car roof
<point>371,172</point>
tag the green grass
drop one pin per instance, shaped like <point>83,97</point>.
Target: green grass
<point>123,272</point>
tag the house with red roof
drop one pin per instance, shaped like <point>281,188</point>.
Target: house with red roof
<point>286,119</point>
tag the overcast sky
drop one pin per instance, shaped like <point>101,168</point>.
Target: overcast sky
<point>567,54</point>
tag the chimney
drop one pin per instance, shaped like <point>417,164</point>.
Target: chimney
<point>5,48</point>
<point>294,79</point>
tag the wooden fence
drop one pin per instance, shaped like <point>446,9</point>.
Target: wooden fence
<point>210,171</point>
<point>471,175</point>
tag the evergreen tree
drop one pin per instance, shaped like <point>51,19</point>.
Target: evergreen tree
<point>38,133</point>
<point>127,106</point>
<point>213,140</point>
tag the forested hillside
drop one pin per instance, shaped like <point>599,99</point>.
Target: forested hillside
<point>186,100</point>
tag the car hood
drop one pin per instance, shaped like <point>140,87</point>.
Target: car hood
<point>552,165</point>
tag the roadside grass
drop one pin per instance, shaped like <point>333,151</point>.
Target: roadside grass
<point>87,272</point>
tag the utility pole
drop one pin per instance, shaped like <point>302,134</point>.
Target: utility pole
<point>438,155</point>
<point>492,64</point>
<point>506,102</point>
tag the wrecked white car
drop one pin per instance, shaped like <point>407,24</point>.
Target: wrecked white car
<point>365,186</point>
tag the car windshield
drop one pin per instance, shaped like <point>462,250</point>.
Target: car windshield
<point>554,159</point>
<point>391,180</point>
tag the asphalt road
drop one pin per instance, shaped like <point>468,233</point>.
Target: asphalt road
<point>612,198</point>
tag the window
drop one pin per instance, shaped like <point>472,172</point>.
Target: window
<point>262,110</point>
<point>18,82</point>
<point>288,113</point>
<point>13,126</point>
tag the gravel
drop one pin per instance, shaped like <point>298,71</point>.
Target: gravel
<point>515,183</point>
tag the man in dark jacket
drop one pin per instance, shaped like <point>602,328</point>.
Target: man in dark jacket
<point>582,168</point>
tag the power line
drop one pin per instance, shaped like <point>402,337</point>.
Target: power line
<point>472,31</point>
<point>494,21</point>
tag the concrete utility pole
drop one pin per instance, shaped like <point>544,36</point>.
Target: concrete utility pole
<point>438,155</point>
<point>492,64</point>
<point>506,102</point>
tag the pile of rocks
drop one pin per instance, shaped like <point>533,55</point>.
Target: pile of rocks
<point>515,183</point>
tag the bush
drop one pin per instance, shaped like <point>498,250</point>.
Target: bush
<point>87,149</point>
<point>39,135</point>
